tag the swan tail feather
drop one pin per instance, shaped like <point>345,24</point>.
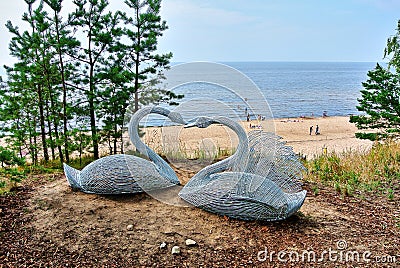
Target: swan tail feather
<point>73,176</point>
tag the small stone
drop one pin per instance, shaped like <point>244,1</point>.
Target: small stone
<point>163,245</point>
<point>175,250</point>
<point>129,227</point>
<point>190,242</point>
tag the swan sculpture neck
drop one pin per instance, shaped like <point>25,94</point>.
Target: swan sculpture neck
<point>239,159</point>
<point>142,147</point>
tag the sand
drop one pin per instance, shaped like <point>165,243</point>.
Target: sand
<point>337,134</point>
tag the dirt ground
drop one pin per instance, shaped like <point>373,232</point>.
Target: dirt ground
<point>46,224</point>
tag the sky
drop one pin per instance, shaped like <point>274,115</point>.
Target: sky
<point>258,30</point>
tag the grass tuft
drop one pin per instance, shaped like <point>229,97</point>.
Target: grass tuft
<point>377,170</point>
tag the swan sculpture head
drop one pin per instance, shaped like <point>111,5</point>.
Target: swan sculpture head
<point>176,118</point>
<point>173,116</point>
<point>200,122</point>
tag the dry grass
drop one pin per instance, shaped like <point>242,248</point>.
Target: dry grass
<point>350,173</point>
<point>355,172</point>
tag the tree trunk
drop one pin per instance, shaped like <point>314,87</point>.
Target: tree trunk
<point>115,135</point>
<point>109,145</point>
<point>93,124</point>
<point>42,124</point>
<point>35,152</point>
<point>31,145</point>
<point>50,132</point>
<point>60,151</point>
<point>137,62</point>
<point>64,98</point>
<point>91,98</point>
<point>122,139</point>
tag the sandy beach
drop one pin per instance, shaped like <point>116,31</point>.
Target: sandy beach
<point>336,134</point>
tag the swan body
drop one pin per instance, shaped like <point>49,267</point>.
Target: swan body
<point>259,182</point>
<point>121,173</point>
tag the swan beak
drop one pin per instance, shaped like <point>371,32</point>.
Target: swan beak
<point>189,125</point>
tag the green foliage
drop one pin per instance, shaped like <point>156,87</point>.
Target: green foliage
<point>61,89</point>
<point>32,98</point>
<point>143,28</point>
<point>80,163</point>
<point>353,173</point>
<point>380,99</point>
<point>8,157</point>
<point>365,136</point>
<point>315,189</point>
<point>390,194</point>
<point>10,177</point>
<point>14,174</point>
<point>392,50</point>
<point>102,29</point>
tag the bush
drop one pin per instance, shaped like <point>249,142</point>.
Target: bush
<point>8,157</point>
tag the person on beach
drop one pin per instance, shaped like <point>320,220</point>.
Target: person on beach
<point>317,130</point>
<point>248,117</point>
<point>311,128</point>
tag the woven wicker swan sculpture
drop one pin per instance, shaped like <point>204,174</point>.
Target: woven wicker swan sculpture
<point>259,182</point>
<point>117,174</point>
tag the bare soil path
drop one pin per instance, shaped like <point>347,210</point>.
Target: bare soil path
<point>46,224</point>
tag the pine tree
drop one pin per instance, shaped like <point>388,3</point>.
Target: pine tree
<point>20,109</point>
<point>64,43</point>
<point>380,98</point>
<point>60,88</point>
<point>146,67</point>
<point>101,30</point>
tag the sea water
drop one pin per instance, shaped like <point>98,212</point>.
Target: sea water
<point>291,89</point>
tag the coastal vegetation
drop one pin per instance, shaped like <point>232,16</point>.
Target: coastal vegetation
<point>359,174</point>
<point>380,98</point>
<point>75,75</point>
<point>70,88</point>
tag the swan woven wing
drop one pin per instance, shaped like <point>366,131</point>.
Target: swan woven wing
<point>272,201</point>
<point>244,196</point>
<point>107,175</point>
<point>117,174</point>
<point>270,158</point>
<point>261,181</point>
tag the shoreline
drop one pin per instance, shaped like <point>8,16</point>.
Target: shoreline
<point>337,134</point>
